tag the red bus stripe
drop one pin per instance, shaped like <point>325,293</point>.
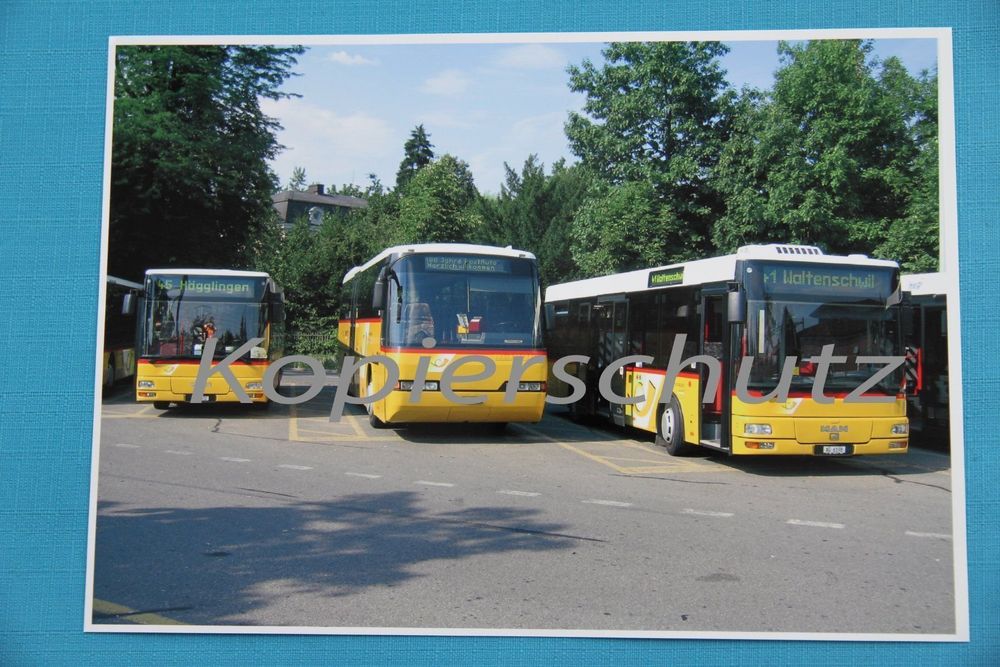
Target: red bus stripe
<point>460,350</point>
<point>806,394</point>
<point>196,362</point>
<point>660,371</point>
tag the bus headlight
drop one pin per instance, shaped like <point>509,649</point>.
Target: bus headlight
<point>407,385</point>
<point>757,429</point>
<point>255,386</point>
<point>900,429</point>
<point>531,386</point>
<point>146,384</point>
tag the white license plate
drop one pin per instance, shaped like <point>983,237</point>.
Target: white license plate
<point>834,449</point>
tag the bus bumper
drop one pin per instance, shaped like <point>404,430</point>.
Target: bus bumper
<point>763,445</point>
<point>434,407</point>
<point>174,383</point>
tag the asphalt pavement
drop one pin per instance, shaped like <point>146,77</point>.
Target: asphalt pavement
<point>223,516</point>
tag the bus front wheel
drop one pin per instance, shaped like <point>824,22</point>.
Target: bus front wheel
<point>375,421</point>
<point>671,431</point>
<point>161,405</point>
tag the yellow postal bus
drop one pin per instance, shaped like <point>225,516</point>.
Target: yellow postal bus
<point>428,307</point>
<point>764,303</point>
<point>182,309</point>
<point>118,361</point>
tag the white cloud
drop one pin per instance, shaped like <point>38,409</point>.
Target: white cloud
<point>333,148</point>
<point>449,82</point>
<point>541,134</point>
<point>532,56</point>
<point>345,58</point>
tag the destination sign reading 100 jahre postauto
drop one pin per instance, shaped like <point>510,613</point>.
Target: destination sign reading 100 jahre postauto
<point>471,264</point>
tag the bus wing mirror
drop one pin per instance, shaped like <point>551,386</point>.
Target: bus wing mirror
<point>736,307</point>
<point>128,304</point>
<point>378,295</point>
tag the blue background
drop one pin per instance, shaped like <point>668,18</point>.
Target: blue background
<point>53,75</point>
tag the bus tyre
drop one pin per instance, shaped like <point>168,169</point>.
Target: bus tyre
<point>671,430</point>
<point>161,405</point>
<point>109,376</point>
<point>375,421</point>
<point>260,407</point>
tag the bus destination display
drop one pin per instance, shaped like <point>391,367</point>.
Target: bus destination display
<point>209,286</point>
<point>797,279</point>
<point>466,264</point>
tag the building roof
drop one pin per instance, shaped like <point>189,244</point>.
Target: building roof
<point>344,201</point>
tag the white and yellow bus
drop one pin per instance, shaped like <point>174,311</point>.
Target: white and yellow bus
<point>445,302</point>
<point>182,308</point>
<point>119,330</point>
<point>925,332</point>
<point>766,303</point>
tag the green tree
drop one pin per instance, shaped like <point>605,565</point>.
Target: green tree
<point>439,205</point>
<point>826,159</point>
<point>913,239</point>
<point>534,212</point>
<point>618,228</point>
<point>189,177</point>
<point>297,183</point>
<point>657,113</point>
<point>417,153</point>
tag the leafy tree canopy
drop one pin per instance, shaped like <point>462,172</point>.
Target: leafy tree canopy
<point>438,204</point>
<point>190,183</point>
<point>417,153</point>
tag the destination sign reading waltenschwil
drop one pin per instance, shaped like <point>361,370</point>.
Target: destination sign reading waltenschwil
<point>666,277</point>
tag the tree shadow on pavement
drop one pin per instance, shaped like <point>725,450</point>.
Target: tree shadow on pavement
<point>237,565</point>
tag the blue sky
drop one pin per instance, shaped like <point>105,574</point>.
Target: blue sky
<point>484,103</point>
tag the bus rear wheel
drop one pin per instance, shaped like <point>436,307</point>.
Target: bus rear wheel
<point>670,433</point>
<point>161,405</point>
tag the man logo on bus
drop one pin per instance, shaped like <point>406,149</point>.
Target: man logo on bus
<point>450,374</point>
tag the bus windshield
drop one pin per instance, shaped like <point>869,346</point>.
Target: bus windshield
<point>796,311</point>
<point>182,312</point>
<point>463,300</point>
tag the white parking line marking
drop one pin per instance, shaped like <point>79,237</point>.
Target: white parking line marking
<point>814,524</point>
<point>609,503</point>
<point>938,535</point>
<point>178,453</point>
<point>526,494</point>
<point>426,483</point>
<point>362,474</point>
<point>707,513</point>
<point>289,466</point>
<point>124,445</point>
<point>233,460</point>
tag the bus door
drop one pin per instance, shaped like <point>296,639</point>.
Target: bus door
<point>715,341</point>
<point>612,316</point>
